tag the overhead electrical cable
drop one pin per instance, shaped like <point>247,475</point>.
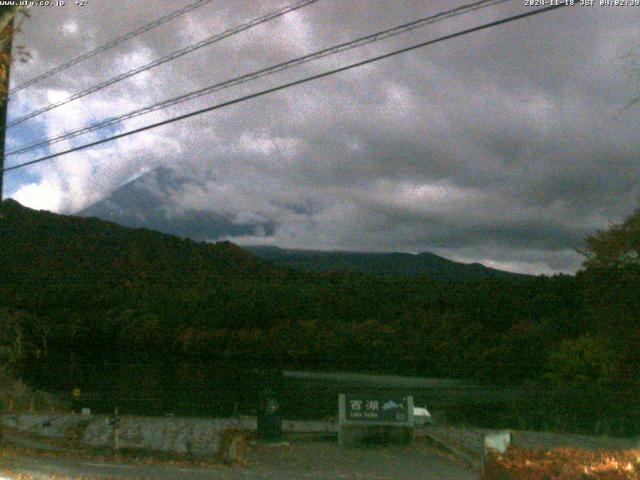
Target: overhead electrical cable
<point>167,58</point>
<point>111,44</point>
<point>292,84</point>
<point>375,37</point>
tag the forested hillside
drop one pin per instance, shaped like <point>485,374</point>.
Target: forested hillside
<point>87,286</point>
<point>91,284</point>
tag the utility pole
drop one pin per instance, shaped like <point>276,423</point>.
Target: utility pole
<point>6,54</point>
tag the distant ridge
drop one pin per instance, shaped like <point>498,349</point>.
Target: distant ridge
<point>395,263</point>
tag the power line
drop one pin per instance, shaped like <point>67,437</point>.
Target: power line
<point>111,44</point>
<point>167,58</point>
<point>292,84</point>
<point>382,35</point>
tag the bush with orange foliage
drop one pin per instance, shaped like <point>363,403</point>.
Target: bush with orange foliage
<point>562,464</point>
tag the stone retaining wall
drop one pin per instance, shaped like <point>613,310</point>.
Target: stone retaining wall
<point>202,437</point>
<point>197,436</point>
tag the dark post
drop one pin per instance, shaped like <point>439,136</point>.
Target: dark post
<point>114,422</point>
<point>116,433</point>
<point>269,411</point>
<point>6,50</point>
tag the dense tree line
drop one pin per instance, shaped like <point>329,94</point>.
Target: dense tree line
<point>85,286</point>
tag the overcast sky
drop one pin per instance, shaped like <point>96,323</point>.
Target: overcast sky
<point>505,147</point>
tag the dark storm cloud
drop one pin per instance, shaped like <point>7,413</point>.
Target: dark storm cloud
<point>507,146</point>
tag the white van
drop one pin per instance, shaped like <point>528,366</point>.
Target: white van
<point>421,416</point>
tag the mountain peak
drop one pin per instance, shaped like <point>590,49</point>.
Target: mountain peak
<point>148,202</point>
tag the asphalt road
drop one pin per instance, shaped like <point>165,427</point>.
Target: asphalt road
<point>301,460</point>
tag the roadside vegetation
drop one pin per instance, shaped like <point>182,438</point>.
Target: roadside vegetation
<point>562,464</point>
<point>16,396</point>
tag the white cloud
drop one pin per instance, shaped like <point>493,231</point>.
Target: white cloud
<point>40,196</point>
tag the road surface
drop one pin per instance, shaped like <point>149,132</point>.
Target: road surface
<point>300,460</point>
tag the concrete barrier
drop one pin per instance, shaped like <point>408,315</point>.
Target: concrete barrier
<point>466,444</point>
<point>495,442</point>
